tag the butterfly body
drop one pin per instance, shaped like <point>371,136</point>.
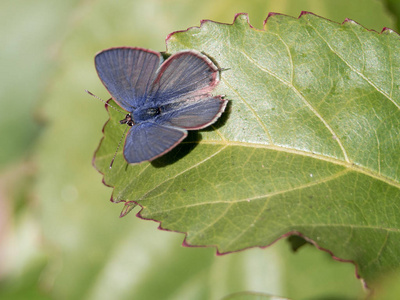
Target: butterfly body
<point>163,99</point>
<point>146,113</point>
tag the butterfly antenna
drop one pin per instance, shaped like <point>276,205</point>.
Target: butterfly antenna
<point>119,144</point>
<point>105,102</point>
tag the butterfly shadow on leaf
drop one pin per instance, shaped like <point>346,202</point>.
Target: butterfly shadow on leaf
<point>180,151</point>
<point>190,142</point>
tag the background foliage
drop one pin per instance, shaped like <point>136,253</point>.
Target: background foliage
<point>60,237</point>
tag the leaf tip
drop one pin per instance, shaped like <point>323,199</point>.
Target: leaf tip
<point>303,13</point>
<point>271,14</point>
<point>347,20</point>
<point>129,205</point>
<point>241,19</point>
<point>386,30</point>
<point>241,16</point>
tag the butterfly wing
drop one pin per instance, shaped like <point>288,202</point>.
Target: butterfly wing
<point>193,114</point>
<point>148,140</point>
<point>127,73</point>
<point>184,74</point>
<point>182,90</point>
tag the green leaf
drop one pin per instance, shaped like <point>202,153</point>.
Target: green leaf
<point>387,287</point>
<point>393,7</point>
<point>252,296</point>
<point>308,144</point>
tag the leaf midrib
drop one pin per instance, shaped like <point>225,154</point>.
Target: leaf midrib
<point>349,166</point>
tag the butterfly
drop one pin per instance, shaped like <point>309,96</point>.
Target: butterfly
<point>163,98</point>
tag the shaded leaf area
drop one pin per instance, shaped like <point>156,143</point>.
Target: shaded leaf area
<point>387,287</point>
<point>393,7</point>
<point>309,143</point>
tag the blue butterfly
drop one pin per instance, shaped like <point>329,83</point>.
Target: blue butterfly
<point>163,99</point>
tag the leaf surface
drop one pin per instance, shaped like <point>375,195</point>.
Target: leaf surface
<point>308,144</point>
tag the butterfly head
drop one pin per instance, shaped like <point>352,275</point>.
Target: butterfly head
<point>128,120</point>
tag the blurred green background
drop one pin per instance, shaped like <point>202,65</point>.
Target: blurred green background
<point>60,236</point>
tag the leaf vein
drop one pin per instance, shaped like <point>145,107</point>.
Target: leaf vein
<point>252,111</point>
<point>350,166</point>
<point>263,196</point>
<point>355,70</point>
<point>308,104</point>
<point>184,171</point>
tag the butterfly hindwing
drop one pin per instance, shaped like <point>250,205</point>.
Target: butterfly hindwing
<point>127,73</point>
<point>148,140</point>
<point>193,114</point>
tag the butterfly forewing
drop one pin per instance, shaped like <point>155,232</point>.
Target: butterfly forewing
<point>147,141</point>
<point>128,73</point>
<point>184,75</point>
